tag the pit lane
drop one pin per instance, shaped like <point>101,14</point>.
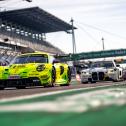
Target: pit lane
<point>13,92</point>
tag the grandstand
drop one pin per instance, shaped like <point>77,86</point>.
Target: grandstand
<point>25,29</point>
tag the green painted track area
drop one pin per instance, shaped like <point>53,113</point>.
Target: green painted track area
<point>101,106</point>
<point>112,116</point>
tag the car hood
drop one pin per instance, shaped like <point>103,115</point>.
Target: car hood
<point>17,68</point>
<point>99,69</point>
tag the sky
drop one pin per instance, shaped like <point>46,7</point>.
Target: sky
<point>94,19</point>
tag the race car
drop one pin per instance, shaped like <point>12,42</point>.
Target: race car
<point>102,71</point>
<point>35,69</point>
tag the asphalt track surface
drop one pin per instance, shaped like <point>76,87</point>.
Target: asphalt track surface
<point>101,106</point>
<point>13,92</point>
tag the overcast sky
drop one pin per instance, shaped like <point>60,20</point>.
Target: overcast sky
<point>93,18</point>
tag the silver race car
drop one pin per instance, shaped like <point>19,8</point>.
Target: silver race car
<point>102,71</point>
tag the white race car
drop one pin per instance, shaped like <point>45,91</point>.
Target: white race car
<point>101,71</point>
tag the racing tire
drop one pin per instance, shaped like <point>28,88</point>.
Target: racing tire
<point>2,85</point>
<point>91,81</point>
<point>84,82</point>
<point>20,87</point>
<point>1,88</point>
<point>64,85</point>
<point>53,77</point>
<point>46,86</point>
<point>116,80</point>
<point>69,74</point>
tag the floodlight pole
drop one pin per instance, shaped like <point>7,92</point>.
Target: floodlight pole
<point>103,44</point>
<point>74,44</point>
<point>73,36</point>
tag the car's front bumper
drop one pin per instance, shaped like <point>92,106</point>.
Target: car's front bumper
<point>20,82</point>
<point>85,78</point>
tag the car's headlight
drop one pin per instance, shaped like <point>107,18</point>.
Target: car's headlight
<point>40,68</point>
<point>110,71</point>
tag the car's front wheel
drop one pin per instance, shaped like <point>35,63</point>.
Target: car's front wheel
<point>1,88</point>
<point>86,82</point>
<point>2,85</point>
<point>53,77</point>
<point>20,87</point>
<point>91,80</point>
<point>69,74</point>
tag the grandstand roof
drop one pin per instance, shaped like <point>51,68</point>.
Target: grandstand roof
<point>35,19</point>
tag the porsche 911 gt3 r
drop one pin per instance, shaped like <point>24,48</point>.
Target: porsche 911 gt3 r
<point>35,69</point>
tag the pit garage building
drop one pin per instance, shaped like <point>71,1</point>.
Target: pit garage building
<point>27,27</point>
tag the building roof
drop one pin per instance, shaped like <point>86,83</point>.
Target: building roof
<point>35,19</point>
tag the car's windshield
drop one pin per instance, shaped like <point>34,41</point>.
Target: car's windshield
<point>106,64</point>
<point>30,59</point>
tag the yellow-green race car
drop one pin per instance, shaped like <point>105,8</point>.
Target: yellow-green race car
<point>35,69</point>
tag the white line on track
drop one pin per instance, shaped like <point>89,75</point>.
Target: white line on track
<point>50,93</point>
<point>79,102</point>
